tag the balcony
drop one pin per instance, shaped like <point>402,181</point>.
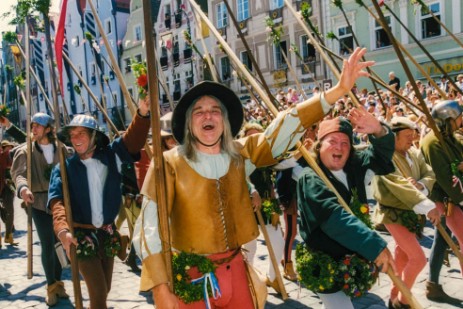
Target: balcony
<point>176,56</point>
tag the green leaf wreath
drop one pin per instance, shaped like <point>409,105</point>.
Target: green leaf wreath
<point>319,272</point>
<point>181,263</point>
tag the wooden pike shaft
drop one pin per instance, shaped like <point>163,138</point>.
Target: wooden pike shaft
<point>92,95</point>
<point>207,55</point>
<point>248,50</point>
<point>37,80</point>
<point>117,70</point>
<point>27,101</point>
<point>157,150</point>
<point>65,187</point>
<point>293,74</point>
<point>433,60</point>
<point>273,259</point>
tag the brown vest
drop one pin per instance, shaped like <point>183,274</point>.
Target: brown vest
<point>207,215</point>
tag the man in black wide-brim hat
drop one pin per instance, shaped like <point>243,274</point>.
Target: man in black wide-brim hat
<point>208,202</point>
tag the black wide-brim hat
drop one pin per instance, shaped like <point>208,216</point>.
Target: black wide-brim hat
<point>224,94</point>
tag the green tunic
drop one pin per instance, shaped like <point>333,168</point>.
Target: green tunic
<point>325,225</point>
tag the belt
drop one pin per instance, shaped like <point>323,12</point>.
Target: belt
<point>89,226</point>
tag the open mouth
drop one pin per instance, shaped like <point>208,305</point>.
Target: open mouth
<point>208,127</point>
<point>337,156</point>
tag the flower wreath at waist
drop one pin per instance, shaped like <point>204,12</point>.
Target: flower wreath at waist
<point>321,273</point>
<point>90,239</point>
<point>191,290</point>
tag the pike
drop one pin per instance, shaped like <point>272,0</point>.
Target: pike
<point>115,66</point>
<point>431,121</point>
<point>157,149</point>
<point>27,102</point>
<point>434,61</point>
<point>62,162</point>
<point>338,3</point>
<point>397,281</point>
<point>37,80</point>
<point>250,55</point>
<point>92,95</point>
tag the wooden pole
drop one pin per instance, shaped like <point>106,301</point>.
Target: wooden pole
<point>66,200</point>
<point>27,102</point>
<point>433,60</point>
<point>157,150</point>
<point>92,95</point>
<point>37,80</point>
<point>271,252</point>
<point>206,51</point>
<point>250,55</point>
<point>117,70</point>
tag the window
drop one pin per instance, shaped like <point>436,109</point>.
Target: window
<point>138,58</point>
<point>280,62</point>
<point>222,16</point>
<point>243,10</point>
<point>108,27</point>
<point>430,27</point>
<point>114,102</point>
<point>346,41</point>
<point>381,38</point>
<point>127,66</point>
<point>137,33</point>
<point>307,49</point>
<point>225,68</point>
<point>246,60</point>
<point>92,69</point>
<point>276,4</point>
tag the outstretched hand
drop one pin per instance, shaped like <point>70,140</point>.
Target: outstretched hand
<point>353,68</point>
<point>364,122</point>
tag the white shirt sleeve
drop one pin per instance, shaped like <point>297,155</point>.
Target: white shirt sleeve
<point>423,207</point>
<point>146,239</point>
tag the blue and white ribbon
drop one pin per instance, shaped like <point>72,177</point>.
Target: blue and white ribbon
<point>211,280</point>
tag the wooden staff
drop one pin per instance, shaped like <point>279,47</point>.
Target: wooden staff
<point>213,69</point>
<point>27,102</point>
<point>273,259</point>
<point>117,70</point>
<point>157,150</point>
<point>61,149</point>
<point>250,55</point>
<point>434,61</point>
<point>37,79</point>
<point>339,5</point>
<point>94,98</point>
<point>397,281</point>
<point>440,23</point>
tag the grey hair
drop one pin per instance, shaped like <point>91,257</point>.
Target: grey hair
<point>188,148</point>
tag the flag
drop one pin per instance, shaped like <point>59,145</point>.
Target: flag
<point>59,42</point>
